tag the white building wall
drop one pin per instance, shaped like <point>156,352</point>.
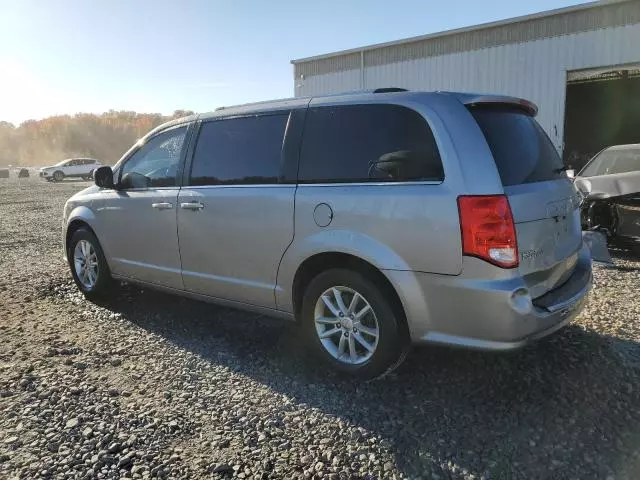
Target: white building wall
<point>338,82</point>
<point>533,70</point>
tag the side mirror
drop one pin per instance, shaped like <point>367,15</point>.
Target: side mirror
<point>103,177</point>
<point>571,173</point>
<point>134,180</point>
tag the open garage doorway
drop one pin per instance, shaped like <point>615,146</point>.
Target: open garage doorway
<point>602,109</point>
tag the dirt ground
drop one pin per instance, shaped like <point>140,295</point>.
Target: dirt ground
<point>149,385</point>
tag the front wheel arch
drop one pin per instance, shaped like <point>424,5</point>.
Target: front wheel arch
<point>102,285</point>
<point>73,226</point>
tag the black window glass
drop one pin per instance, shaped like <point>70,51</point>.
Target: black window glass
<point>613,161</point>
<point>368,143</point>
<point>521,149</point>
<point>243,150</point>
<point>155,164</point>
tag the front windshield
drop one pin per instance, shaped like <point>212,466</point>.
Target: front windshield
<point>613,161</point>
<point>63,162</point>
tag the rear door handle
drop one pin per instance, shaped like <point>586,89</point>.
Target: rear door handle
<point>162,205</point>
<point>192,205</point>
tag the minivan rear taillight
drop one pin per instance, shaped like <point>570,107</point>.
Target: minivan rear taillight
<point>488,231</point>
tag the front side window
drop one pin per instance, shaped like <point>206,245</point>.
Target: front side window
<point>155,164</point>
<point>244,150</point>
<point>368,143</point>
<point>612,161</point>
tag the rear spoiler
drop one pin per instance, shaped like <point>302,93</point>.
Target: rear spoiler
<point>473,100</point>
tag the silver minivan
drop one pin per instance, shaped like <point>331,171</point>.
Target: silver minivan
<point>375,220</point>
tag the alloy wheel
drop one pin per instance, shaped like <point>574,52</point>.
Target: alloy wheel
<point>85,261</point>
<point>346,325</point>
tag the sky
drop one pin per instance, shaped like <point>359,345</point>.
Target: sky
<point>69,56</point>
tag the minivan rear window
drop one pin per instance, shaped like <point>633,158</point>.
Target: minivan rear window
<point>521,149</point>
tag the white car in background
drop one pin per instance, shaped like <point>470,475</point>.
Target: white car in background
<point>72,167</point>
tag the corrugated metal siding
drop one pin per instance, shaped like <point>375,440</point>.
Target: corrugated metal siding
<point>562,24</point>
<point>603,16</point>
<point>329,65</point>
<point>338,82</point>
<point>534,70</point>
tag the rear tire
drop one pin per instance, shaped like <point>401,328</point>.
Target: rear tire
<point>88,264</point>
<point>377,337</point>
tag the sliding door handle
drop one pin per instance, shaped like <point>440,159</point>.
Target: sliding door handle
<point>192,205</point>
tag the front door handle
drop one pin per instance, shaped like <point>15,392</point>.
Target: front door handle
<point>162,205</point>
<point>192,205</point>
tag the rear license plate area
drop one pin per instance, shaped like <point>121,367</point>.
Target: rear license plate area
<point>561,230</point>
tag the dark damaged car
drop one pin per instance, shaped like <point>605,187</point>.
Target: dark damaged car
<point>610,185</point>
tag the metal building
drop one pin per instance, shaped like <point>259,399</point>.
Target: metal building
<point>580,65</point>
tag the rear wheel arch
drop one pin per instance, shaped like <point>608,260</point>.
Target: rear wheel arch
<point>321,262</point>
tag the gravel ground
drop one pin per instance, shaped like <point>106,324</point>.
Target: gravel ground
<point>150,385</point>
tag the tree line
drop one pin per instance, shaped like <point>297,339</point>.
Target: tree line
<point>103,136</point>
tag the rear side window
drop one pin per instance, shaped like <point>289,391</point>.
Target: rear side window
<point>609,162</point>
<point>368,143</point>
<point>243,150</point>
<point>521,149</point>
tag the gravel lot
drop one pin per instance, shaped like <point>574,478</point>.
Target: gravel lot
<point>150,385</point>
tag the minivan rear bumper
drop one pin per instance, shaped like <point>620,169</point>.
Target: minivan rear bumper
<point>489,314</point>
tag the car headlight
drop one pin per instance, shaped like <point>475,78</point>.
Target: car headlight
<point>583,185</point>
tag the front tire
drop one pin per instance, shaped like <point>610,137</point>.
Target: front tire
<point>58,176</point>
<point>352,326</point>
<point>88,264</point>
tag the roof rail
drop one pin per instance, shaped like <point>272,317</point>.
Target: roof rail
<point>390,90</point>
